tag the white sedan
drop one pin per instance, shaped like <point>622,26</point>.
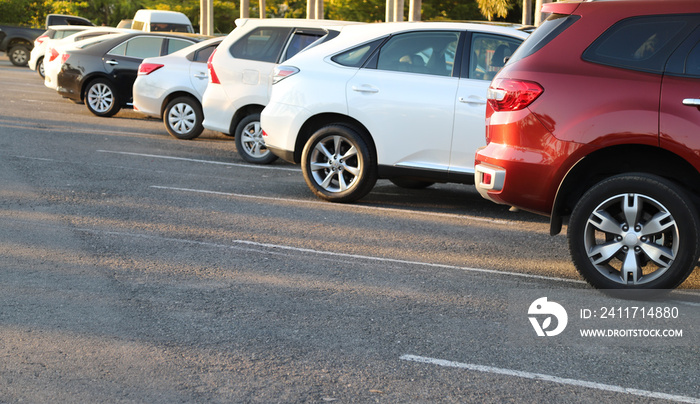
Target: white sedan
<point>402,101</point>
<point>171,87</point>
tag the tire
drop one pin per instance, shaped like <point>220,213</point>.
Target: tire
<point>250,143</point>
<point>183,118</point>
<point>634,231</point>
<point>410,183</point>
<point>101,98</point>
<point>40,68</point>
<point>338,165</point>
<point>19,55</point>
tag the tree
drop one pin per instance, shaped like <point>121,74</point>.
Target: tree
<point>499,8</point>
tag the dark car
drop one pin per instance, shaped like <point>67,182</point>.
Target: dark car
<point>596,118</point>
<point>102,73</point>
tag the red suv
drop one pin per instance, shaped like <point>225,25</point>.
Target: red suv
<point>596,117</point>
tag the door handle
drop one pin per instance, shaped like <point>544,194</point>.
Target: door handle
<point>693,102</point>
<point>201,76</point>
<point>112,62</point>
<point>365,89</point>
<point>473,100</point>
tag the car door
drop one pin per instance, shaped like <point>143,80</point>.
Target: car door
<point>679,119</point>
<point>122,62</point>
<point>405,97</point>
<point>484,55</point>
<point>199,77</point>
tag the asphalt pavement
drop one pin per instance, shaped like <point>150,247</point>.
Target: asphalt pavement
<point>135,267</point>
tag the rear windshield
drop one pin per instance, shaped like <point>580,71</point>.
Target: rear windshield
<point>550,28</point>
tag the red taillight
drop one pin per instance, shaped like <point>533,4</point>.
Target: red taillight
<point>64,58</point>
<point>40,40</point>
<point>148,68</point>
<point>213,78</point>
<point>53,54</point>
<point>512,95</point>
<point>486,178</point>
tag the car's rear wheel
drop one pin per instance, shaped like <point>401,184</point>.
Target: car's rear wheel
<point>634,231</point>
<point>338,165</point>
<point>40,67</point>
<point>410,183</point>
<point>250,143</point>
<point>183,118</point>
<point>101,98</point>
<point>19,55</point>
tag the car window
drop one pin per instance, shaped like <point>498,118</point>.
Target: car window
<point>175,45</point>
<point>554,25</point>
<point>488,54</point>
<point>66,32</point>
<point>356,57</point>
<point>169,27</point>
<point>262,44</point>
<point>685,61</point>
<point>203,54</point>
<point>139,47</point>
<point>299,42</point>
<point>420,52</point>
<point>641,43</point>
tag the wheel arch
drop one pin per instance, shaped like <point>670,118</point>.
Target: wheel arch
<point>89,79</point>
<point>241,113</point>
<point>605,163</point>
<point>316,122</point>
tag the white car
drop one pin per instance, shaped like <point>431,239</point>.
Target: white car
<point>240,72</point>
<point>171,87</point>
<point>402,101</point>
<point>55,32</point>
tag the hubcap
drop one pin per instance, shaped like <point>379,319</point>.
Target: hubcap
<point>19,56</point>
<point>100,97</point>
<point>335,164</point>
<point>182,118</point>
<point>252,140</point>
<point>631,239</point>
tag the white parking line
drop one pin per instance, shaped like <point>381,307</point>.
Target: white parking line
<point>221,163</point>
<point>305,202</point>
<point>553,379</point>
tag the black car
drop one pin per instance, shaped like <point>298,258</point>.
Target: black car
<point>102,73</point>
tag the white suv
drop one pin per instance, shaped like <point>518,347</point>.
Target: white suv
<point>403,101</point>
<point>239,76</point>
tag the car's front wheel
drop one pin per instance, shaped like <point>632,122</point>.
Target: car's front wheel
<point>101,98</point>
<point>635,231</point>
<point>19,55</point>
<point>250,143</point>
<point>183,118</point>
<point>338,165</point>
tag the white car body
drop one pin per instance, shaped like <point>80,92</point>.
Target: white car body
<point>161,21</point>
<point>422,125</point>
<point>54,33</point>
<point>240,86</point>
<point>183,73</point>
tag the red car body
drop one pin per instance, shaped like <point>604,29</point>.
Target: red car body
<point>568,112</point>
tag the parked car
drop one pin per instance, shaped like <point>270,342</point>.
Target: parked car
<point>54,56</point>
<point>171,87</point>
<point>240,73</point>
<point>402,101</point>
<point>595,118</point>
<point>55,32</point>
<point>102,73</point>
<point>17,42</point>
<point>161,21</point>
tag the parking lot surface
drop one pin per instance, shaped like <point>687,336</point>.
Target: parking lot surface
<point>135,267</point>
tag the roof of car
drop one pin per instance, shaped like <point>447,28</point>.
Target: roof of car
<point>292,22</point>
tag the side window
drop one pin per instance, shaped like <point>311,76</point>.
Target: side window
<point>356,57</point>
<point>203,54</point>
<point>488,55</point>
<point>140,47</point>
<point>261,44</point>
<point>692,63</point>
<point>420,52</point>
<point>175,45</point>
<point>641,43</point>
<point>299,42</point>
